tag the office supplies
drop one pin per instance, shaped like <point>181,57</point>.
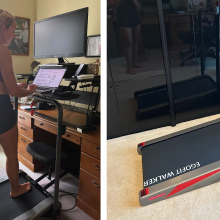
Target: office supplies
<point>27,107</point>
<point>88,76</point>
<point>86,128</point>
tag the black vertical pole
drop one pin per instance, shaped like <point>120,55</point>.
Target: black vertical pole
<point>16,106</point>
<point>217,54</point>
<point>166,62</point>
<point>201,42</point>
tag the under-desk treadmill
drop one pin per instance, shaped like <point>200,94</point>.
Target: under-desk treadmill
<point>180,162</point>
<point>154,101</point>
<point>27,206</point>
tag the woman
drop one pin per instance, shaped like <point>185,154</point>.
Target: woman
<point>8,121</point>
<point>128,19</point>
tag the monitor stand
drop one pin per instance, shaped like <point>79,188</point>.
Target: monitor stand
<point>61,61</point>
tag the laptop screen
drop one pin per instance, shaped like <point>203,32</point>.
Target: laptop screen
<point>49,77</point>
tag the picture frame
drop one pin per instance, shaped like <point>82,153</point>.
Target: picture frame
<point>93,48</point>
<point>20,45</point>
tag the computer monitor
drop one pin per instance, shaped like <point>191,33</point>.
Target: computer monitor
<point>61,36</point>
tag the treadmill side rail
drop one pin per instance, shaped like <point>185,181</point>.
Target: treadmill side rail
<point>165,137</point>
<point>187,182</point>
<point>37,210</point>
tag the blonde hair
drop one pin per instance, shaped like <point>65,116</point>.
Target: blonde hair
<point>6,18</point>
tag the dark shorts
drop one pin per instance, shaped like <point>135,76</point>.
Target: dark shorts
<point>7,114</point>
<point>129,22</point>
<point>128,16</point>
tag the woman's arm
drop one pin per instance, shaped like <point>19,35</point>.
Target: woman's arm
<point>9,77</point>
<point>114,3</point>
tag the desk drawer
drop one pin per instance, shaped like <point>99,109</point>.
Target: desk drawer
<point>26,131</point>
<point>72,137</point>
<point>46,126</point>
<point>90,164</point>
<point>91,148</point>
<point>22,144</point>
<point>25,120</point>
<point>89,189</point>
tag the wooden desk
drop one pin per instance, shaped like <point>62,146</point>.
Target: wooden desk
<point>39,128</point>
<point>175,23</point>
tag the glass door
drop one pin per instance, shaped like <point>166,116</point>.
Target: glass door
<point>136,62</point>
<point>182,50</point>
<point>208,59</point>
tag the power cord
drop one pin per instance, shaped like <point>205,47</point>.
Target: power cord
<point>68,194</point>
<point>71,112</point>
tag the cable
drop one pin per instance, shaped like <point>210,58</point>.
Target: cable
<point>82,85</point>
<point>69,194</point>
<point>71,112</point>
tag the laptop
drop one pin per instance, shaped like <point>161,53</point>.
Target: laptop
<point>48,79</point>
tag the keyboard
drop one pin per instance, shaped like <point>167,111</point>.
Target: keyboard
<point>76,109</point>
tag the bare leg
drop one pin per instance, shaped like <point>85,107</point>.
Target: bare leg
<point>127,37</point>
<point>9,142</point>
<point>135,37</point>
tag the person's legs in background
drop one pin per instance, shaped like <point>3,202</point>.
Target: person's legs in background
<point>135,38</point>
<point>126,34</point>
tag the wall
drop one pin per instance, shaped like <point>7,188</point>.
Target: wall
<point>26,9</point>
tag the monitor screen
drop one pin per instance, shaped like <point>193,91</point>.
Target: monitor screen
<point>49,77</point>
<point>61,36</point>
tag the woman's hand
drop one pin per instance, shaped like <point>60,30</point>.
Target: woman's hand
<point>32,88</point>
<point>23,85</point>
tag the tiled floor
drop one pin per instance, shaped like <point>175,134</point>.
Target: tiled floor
<point>68,183</point>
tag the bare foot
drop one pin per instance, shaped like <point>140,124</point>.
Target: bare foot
<point>23,188</point>
<point>136,65</point>
<point>130,70</point>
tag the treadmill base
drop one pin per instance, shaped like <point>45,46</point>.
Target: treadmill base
<point>187,182</point>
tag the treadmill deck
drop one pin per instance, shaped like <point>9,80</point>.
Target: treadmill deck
<point>12,208</point>
<point>172,166</point>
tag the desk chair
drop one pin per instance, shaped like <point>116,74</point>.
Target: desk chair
<point>205,37</point>
<point>47,154</point>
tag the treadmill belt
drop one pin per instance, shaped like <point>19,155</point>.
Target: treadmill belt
<point>173,154</point>
<point>14,207</point>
